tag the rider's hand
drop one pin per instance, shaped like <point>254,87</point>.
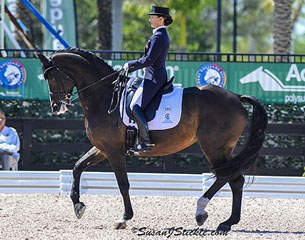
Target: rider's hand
<point>126,67</point>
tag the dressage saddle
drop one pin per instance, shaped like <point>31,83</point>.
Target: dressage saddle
<point>150,110</point>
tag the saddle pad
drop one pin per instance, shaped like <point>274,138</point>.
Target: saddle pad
<point>168,114</point>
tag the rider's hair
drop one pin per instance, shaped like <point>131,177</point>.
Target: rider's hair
<point>167,20</point>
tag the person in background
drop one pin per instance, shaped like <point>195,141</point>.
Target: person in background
<point>155,75</point>
<point>9,145</point>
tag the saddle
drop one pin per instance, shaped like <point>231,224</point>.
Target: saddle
<point>163,112</point>
<point>150,110</point>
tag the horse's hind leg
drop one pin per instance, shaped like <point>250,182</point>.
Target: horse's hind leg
<point>237,189</point>
<point>201,214</point>
<point>90,158</point>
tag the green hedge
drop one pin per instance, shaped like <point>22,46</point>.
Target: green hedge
<point>41,109</point>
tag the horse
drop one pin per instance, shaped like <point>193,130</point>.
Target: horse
<point>212,116</point>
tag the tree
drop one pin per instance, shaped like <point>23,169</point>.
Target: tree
<point>194,27</point>
<point>190,31</point>
<point>298,20</point>
<point>282,27</point>
<point>104,24</point>
<point>23,14</point>
<point>87,23</point>
<point>253,34</point>
<point>94,22</point>
<point>30,22</point>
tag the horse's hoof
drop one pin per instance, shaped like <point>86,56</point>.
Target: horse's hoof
<point>79,209</point>
<point>223,228</point>
<point>201,218</point>
<point>119,225</point>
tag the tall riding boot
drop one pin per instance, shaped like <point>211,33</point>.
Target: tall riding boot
<point>140,119</point>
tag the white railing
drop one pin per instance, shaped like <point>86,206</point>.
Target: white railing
<point>267,186</point>
<point>140,183</point>
<point>145,184</point>
<point>29,182</point>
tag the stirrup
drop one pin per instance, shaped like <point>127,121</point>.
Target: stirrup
<point>142,147</point>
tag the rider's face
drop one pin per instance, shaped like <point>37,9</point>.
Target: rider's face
<point>2,120</point>
<point>156,21</point>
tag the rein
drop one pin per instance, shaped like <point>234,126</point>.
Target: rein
<point>67,95</point>
<point>93,84</point>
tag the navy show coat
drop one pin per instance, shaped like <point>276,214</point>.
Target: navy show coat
<point>153,61</point>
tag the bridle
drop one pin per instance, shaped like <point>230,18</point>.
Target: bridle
<point>65,97</point>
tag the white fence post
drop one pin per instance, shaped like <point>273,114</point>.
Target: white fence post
<point>65,182</point>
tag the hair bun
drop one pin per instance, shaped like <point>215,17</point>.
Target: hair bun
<point>168,21</point>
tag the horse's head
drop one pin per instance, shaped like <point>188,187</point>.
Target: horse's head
<point>73,67</point>
<point>60,84</point>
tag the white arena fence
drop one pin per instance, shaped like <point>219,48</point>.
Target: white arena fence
<point>59,182</point>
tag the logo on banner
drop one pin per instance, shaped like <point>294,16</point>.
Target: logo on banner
<point>12,74</point>
<point>269,82</point>
<point>292,88</point>
<point>211,73</point>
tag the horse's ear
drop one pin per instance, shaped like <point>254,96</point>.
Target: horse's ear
<point>43,59</point>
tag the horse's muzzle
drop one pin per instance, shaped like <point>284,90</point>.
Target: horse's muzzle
<point>59,108</point>
<point>55,107</point>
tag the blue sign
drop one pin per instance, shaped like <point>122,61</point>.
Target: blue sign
<point>211,73</point>
<point>12,74</point>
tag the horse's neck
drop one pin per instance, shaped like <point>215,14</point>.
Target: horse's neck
<point>96,101</point>
<point>95,91</point>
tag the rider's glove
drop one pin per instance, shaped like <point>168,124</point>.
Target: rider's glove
<point>126,67</point>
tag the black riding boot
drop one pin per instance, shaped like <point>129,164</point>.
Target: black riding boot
<point>140,119</point>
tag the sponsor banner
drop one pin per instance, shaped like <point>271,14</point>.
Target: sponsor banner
<point>281,83</point>
<point>60,14</point>
<point>12,78</point>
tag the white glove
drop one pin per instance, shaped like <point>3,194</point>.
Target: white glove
<point>126,67</point>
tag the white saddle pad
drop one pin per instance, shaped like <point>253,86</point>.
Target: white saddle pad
<point>167,116</point>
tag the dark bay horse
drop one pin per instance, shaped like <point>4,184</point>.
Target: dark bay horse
<point>211,116</point>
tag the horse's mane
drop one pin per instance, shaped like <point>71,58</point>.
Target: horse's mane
<point>97,62</point>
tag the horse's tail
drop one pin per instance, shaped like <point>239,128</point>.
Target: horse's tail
<point>247,157</point>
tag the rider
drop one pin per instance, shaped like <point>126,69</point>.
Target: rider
<point>155,75</point>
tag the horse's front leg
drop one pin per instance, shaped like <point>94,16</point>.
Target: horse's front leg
<point>90,158</point>
<point>118,164</point>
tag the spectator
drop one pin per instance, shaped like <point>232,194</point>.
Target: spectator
<point>9,145</point>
